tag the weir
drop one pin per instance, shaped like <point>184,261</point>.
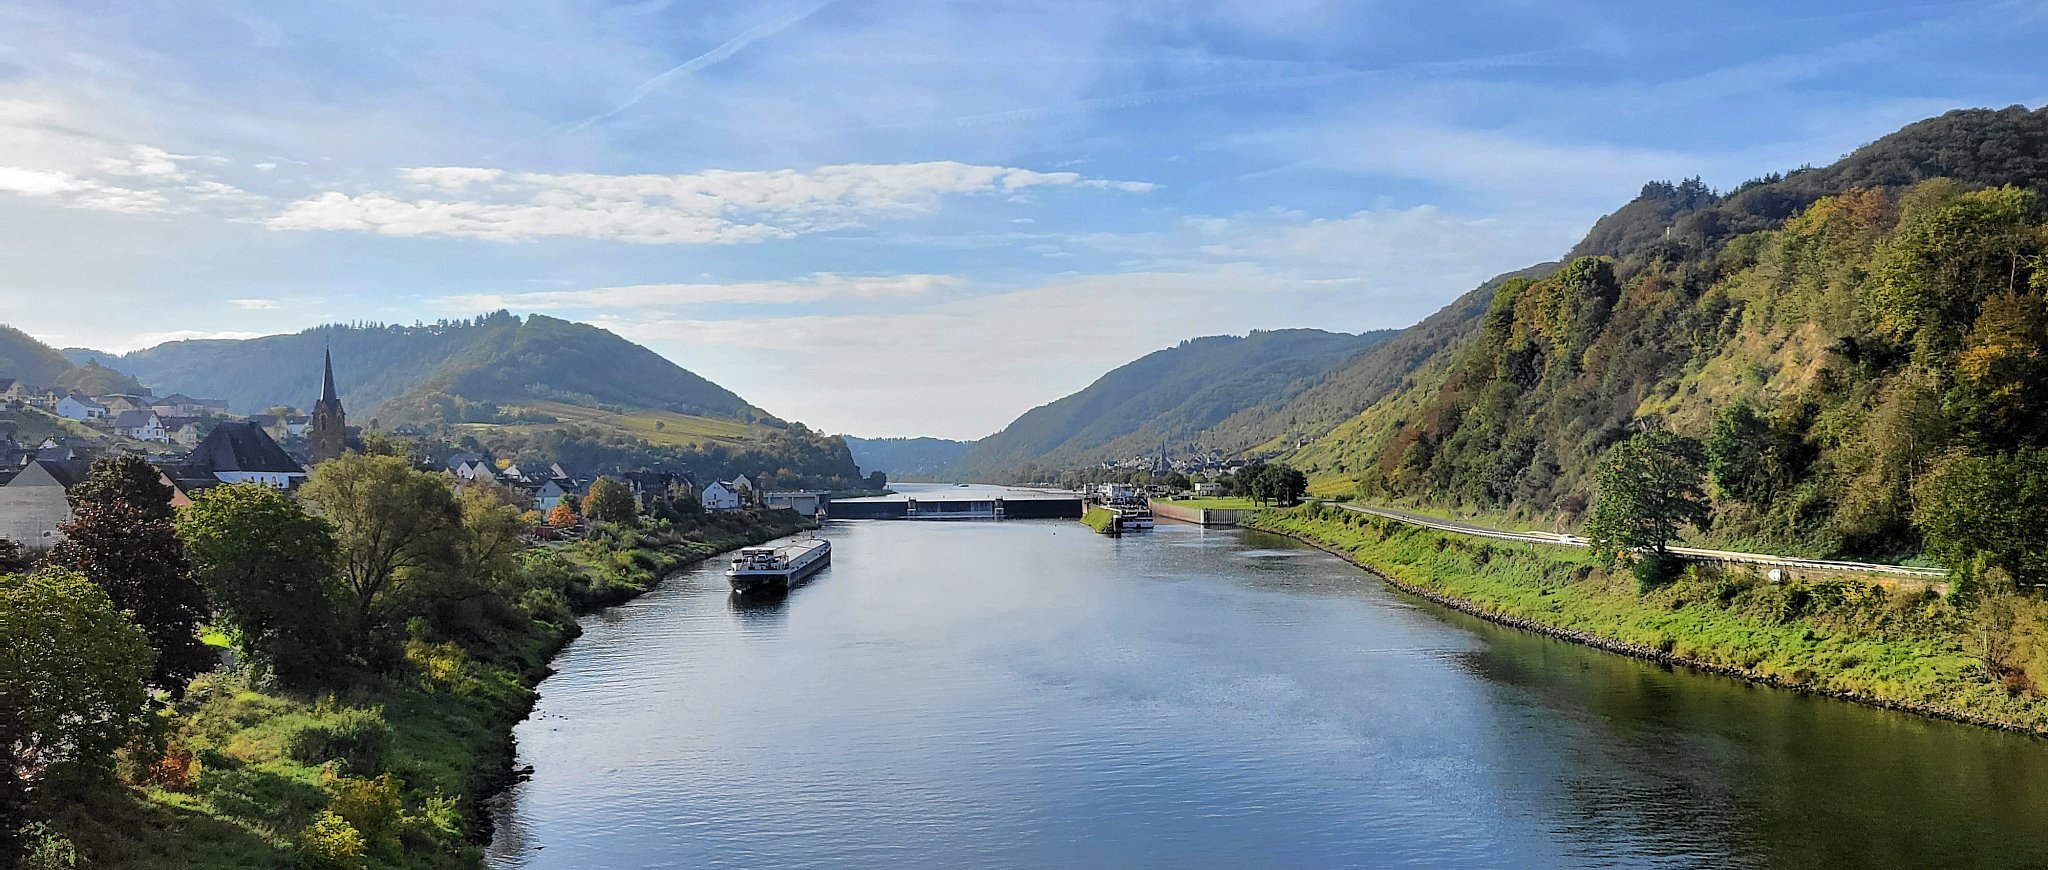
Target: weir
<point>969,503</point>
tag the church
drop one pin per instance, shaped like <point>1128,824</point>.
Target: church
<point>327,434</point>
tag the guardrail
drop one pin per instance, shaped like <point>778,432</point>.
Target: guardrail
<point>1695,554</point>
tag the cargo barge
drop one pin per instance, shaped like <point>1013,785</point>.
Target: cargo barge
<point>777,569</point>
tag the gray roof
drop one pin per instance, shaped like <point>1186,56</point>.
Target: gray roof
<point>242,447</point>
<point>132,419</point>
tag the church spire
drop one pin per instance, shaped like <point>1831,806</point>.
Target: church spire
<point>327,384</point>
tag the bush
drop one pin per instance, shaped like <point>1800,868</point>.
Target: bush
<point>359,739</point>
<point>331,843</point>
<point>45,850</point>
<point>372,807</point>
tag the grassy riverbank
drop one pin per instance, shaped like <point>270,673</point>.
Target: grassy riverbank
<point>1101,519</point>
<point>409,756</point>
<point>1907,650</point>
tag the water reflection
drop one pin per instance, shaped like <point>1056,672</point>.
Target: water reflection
<point>1028,694</point>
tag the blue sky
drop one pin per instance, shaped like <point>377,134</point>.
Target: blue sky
<point>899,217</point>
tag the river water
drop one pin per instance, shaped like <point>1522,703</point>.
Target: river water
<point>1029,694</point>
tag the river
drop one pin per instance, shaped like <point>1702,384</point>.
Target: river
<point>1030,694</point>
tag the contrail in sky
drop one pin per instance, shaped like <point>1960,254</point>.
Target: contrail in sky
<point>707,59</point>
<point>703,61</point>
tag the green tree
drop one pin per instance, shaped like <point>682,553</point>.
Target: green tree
<point>269,567</point>
<point>392,524</point>
<point>610,501</point>
<point>1650,487</point>
<point>120,536</point>
<point>2000,394</point>
<point>128,479</point>
<point>1949,253</point>
<point>13,560</point>
<point>1979,512</point>
<point>1736,454</point>
<point>74,667</point>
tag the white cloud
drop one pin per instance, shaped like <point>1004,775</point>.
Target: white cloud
<point>815,288</point>
<point>710,207</point>
<point>144,160</point>
<point>152,339</point>
<point>256,304</point>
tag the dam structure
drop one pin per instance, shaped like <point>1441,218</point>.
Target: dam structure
<point>934,501</point>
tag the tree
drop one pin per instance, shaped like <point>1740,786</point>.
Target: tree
<point>610,501</point>
<point>73,671</point>
<point>13,560</point>
<point>562,515</point>
<point>390,523</point>
<point>128,479</point>
<point>2000,395</point>
<point>1980,512</point>
<point>120,537</point>
<point>1947,256</point>
<point>269,567</point>
<point>1650,486</point>
<point>1735,454</point>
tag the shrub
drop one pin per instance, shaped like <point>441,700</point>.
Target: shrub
<point>46,850</point>
<point>331,843</point>
<point>372,807</point>
<point>357,738</point>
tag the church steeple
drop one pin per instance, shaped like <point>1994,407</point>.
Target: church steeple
<point>327,437</point>
<point>327,384</point>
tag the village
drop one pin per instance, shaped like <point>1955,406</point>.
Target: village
<point>50,438</point>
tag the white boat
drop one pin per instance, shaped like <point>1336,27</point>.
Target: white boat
<point>1135,515</point>
<point>777,569</point>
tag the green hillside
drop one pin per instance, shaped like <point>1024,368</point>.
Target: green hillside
<point>535,389</point>
<point>1349,389</point>
<point>32,362</point>
<point>405,372</point>
<point>1832,337</point>
<point>1170,396</point>
<point>904,458</point>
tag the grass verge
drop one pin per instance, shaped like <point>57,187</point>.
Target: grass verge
<point>409,758</point>
<point>1839,637</point>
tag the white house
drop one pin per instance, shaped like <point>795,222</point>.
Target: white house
<point>77,407</point>
<point>719,496</point>
<point>142,426</point>
<point>477,470</point>
<point>1207,490</point>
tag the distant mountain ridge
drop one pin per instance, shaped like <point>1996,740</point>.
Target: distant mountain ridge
<point>416,373</point>
<point>1169,397</point>
<point>906,458</point>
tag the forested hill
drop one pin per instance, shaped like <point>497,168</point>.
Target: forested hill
<point>1171,396</point>
<point>426,371</point>
<point>1860,350</point>
<point>906,458</point>
<point>32,362</point>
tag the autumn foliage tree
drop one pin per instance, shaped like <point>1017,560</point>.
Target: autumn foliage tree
<point>120,537</point>
<point>561,515</point>
<point>610,502</point>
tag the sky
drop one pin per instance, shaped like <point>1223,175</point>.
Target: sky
<point>899,217</point>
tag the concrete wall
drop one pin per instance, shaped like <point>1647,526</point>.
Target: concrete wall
<point>1199,516</point>
<point>29,515</point>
